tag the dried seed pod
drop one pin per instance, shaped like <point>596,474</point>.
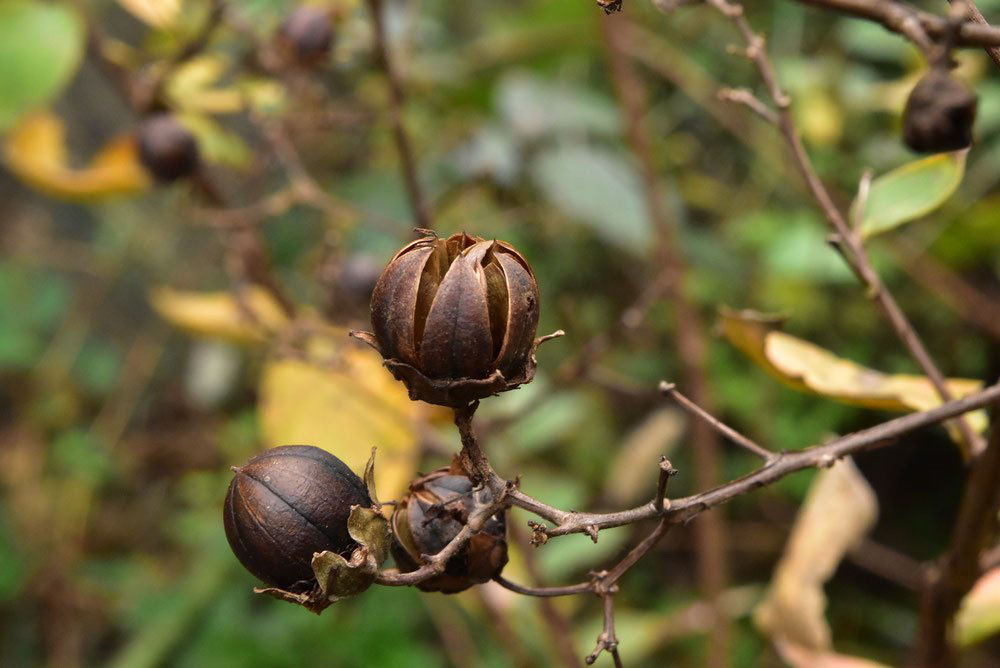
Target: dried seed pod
<point>287,504</point>
<point>939,113</point>
<point>306,36</point>
<point>431,515</point>
<point>166,148</point>
<point>455,318</point>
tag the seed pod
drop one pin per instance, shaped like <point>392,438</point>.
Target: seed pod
<point>455,318</point>
<point>166,148</point>
<point>436,509</point>
<point>939,113</point>
<point>287,504</point>
<point>306,36</point>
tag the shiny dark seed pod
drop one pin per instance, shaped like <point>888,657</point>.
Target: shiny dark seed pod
<point>306,36</point>
<point>939,113</point>
<point>433,513</point>
<point>285,505</point>
<point>455,319</point>
<point>166,148</point>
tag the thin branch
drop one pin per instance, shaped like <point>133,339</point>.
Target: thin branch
<point>977,16</point>
<point>670,390</point>
<point>607,641</point>
<point>846,241</point>
<point>544,592</point>
<point>397,100</point>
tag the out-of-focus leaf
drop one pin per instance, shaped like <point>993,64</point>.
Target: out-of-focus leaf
<point>597,187</point>
<point>809,368</point>
<point>192,88</point>
<point>156,13</point>
<point>35,150</point>
<point>217,145</point>
<point>251,318</point>
<point>839,510</point>
<point>343,401</point>
<point>910,192</point>
<point>629,476</point>
<point>979,616</point>
<point>797,656</point>
<point>533,107</point>
<point>41,46</point>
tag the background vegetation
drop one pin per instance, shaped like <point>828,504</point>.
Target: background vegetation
<point>131,379</point>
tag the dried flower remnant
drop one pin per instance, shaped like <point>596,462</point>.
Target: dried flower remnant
<point>455,319</point>
<point>939,113</point>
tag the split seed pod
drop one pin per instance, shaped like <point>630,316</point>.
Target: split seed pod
<point>306,36</point>
<point>939,113</point>
<point>436,509</point>
<point>166,148</point>
<point>455,319</point>
<point>300,520</point>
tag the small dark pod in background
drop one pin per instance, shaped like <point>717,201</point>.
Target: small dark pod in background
<point>166,148</point>
<point>305,37</point>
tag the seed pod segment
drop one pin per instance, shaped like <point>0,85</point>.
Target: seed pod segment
<point>455,319</point>
<point>432,514</point>
<point>939,113</point>
<point>300,520</point>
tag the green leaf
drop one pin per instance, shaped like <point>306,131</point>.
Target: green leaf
<point>598,188</point>
<point>910,192</point>
<point>41,45</point>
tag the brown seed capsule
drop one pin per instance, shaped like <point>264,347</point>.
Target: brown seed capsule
<point>286,504</point>
<point>425,521</point>
<point>455,318</point>
<point>939,113</point>
<point>166,148</point>
<point>306,36</point>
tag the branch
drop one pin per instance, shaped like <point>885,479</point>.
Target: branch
<point>397,100</point>
<point>670,390</point>
<point>846,241</point>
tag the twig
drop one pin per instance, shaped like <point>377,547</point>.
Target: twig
<point>958,569</point>
<point>607,641</point>
<point>670,390</point>
<point>690,332</point>
<point>977,16</point>
<point>846,241</point>
<point>397,100</point>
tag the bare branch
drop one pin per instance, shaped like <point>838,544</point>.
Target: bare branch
<point>670,390</point>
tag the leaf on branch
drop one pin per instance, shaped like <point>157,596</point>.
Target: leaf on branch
<point>250,317</point>
<point>839,510</point>
<point>343,401</point>
<point>979,616</point>
<point>809,368</point>
<point>35,150</point>
<point>194,87</point>
<point>156,13</point>
<point>41,47</point>
<point>909,192</point>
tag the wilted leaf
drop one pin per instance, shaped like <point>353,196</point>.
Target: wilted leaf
<point>343,401</point>
<point>798,656</point>
<point>41,45</point>
<point>35,150</point>
<point>910,192</point>
<point>979,616</point>
<point>220,315</point>
<point>597,187</point>
<point>631,475</point>
<point>192,88</point>
<point>809,368</point>
<point>839,509</point>
<point>157,13</point>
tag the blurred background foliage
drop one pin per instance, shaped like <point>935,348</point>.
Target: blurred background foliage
<point>131,379</point>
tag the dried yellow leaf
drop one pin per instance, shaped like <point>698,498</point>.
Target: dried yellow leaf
<point>343,401</point>
<point>252,317</point>
<point>156,13</point>
<point>35,150</point>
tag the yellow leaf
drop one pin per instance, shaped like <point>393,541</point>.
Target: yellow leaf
<point>798,656</point>
<point>156,13</point>
<point>35,150</point>
<point>220,315</point>
<point>979,616</point>
<point>191,89</point>
<point>343,401</point>
<point>839,510</point>
<point>628,475</point>
<point>809,368</point>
